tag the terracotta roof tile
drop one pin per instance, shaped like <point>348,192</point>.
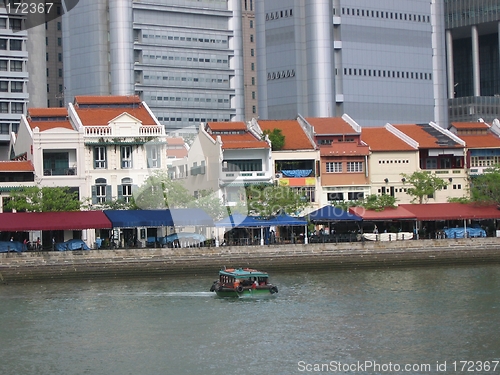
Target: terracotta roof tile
<point>16,166</point>
<point>481,141</point>
<point>237,141</point>
<point>47,125</point>
<point>295,138</point>
<point>380,139</point>
<point>175,141</point>
<point>330,125</point>
<point>227,126</point>
<point>177,152</point>
<point>106,99</point>
<point>424,139</point>
<point>469,125</point>
<point>47,112</point>
<point>102,116</point>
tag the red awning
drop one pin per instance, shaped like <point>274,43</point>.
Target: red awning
<point>398,213</point>
<point>452,211</point>
<point>75,220</point>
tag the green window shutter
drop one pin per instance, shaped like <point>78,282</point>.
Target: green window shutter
<point>94,194</point>
<point>120,192</point>
<point>109,197</point>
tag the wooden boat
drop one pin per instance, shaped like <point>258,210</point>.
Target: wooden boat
<point>239,282</point>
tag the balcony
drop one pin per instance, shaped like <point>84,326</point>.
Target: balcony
<point>60,172</point>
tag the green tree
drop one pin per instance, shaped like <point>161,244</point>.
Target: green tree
<point>209,202</point>
<point>159,191</point>
<point>276,137</point>
<point>268,200</point>
<point>423,184</point>
<point>485,188</point>
<point>45,199</point>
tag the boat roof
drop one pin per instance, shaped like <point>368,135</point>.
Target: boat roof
<point>241,273</point>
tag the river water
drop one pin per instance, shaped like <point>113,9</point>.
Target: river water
<point>409,321</point>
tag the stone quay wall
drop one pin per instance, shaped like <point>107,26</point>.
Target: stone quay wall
<point>122,263</point>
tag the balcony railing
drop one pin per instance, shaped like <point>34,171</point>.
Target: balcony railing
<point>60,172</point>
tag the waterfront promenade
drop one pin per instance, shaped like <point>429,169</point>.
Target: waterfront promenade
<point>32,266</point>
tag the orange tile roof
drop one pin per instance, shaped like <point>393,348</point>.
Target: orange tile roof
<point>106,99</point>
<point>227,126</point>
<point>177,152</point>
<point>102,116</point>
<point>424,139</point>
<point>481,141</point>
<point>344,149</point>
<point>295,138</point>
<point>380,139</point>
<point>171,141</point>
<point>237,141</point>
<point>330,125</point>
<point>47,112</point>
<point>470,125</point>
<point>16,166</point>
<point>47,125</point>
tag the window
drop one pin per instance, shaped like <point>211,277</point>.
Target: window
<point>3,65</point>
<point>252,52</point>
<point>251,24</point>
<point>431,163</point>
<point>4,86</point>
<point>126,156</point>
<point>354,166</point>
<point>16,86</point>
<point>125,190</point>
<point>15,24</point>
<point>153,157</point>
<point>3,44</point>
<point>356,195</point>
<point>334,167</point>
<point>17,108</point>
<point>4,107</point>
<point>16,66</point>
<point>335,196</point>
<point>16,45</point>
<point>100,191</point>
<point>99,157</point>
<point>251,38</point>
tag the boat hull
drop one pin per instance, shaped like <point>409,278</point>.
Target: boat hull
<point>222,291</point>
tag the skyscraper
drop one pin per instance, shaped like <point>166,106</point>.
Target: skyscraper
<point>13,76</point>
<point>473,57</point>
<point>377,61</point>
<point>183,57</point>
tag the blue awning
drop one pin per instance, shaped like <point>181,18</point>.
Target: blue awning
<point>242,221</point>
<point>158,218</point>
<point>331,213</point>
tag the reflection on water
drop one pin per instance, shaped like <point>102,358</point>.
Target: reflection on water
<point>175,326</point>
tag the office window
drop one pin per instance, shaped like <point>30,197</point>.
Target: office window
<point>16,45</point>
<point>15,24</point>
<point>4,107</point>
<point>17,107</point>
<point>16,86</point>
<point>16,66</point>
<point>3,44</point>
<point>4,86</point>
<point>3,65</point>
